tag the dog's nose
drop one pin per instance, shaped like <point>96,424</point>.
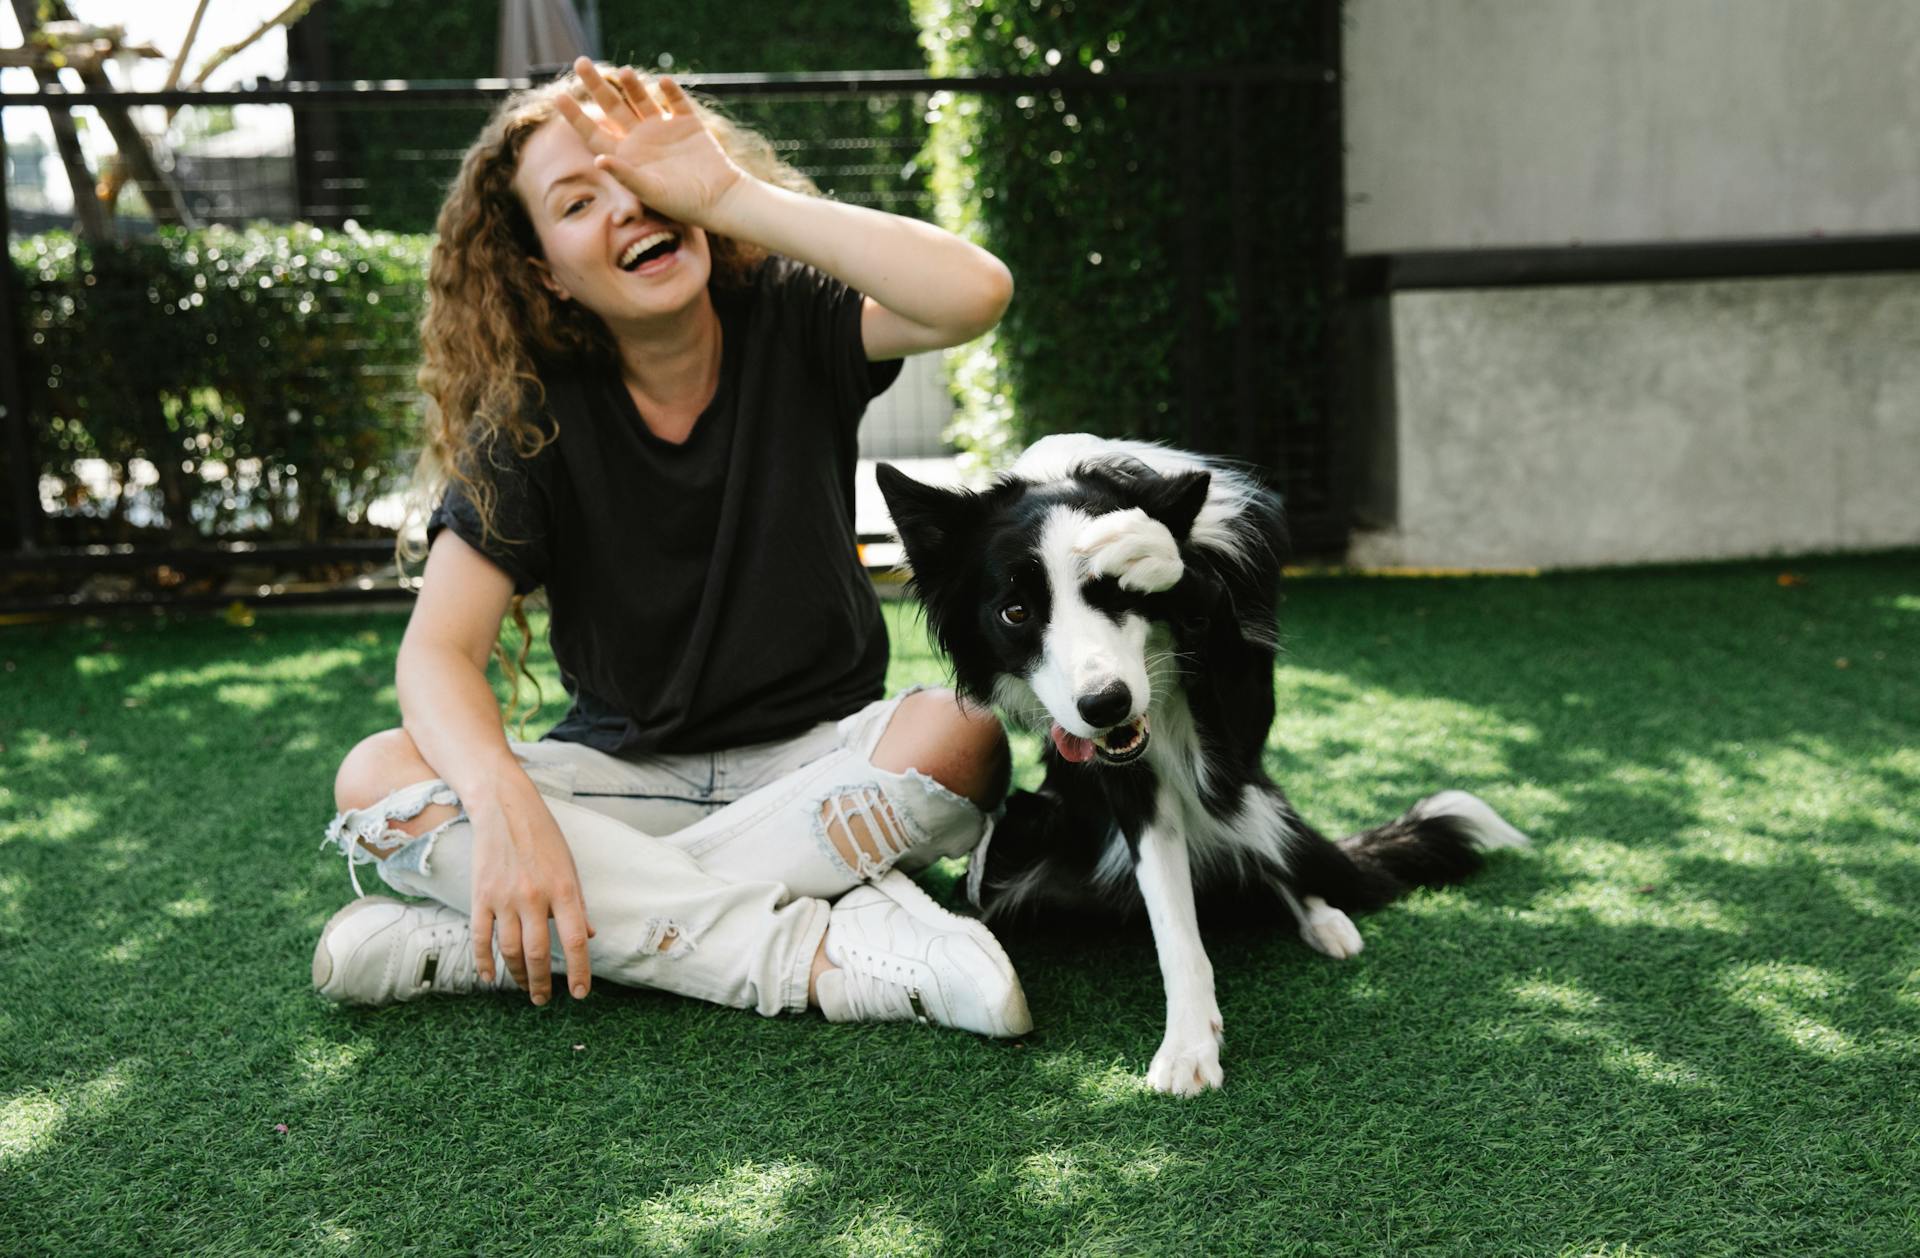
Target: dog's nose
<point>1107,706</point>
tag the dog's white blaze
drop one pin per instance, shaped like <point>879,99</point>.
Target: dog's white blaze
<point>1083,651</point>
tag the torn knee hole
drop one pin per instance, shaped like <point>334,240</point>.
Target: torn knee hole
<point>666,937</point>
<point>864,830</point>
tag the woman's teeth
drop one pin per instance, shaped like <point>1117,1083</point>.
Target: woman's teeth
<point>640,248</point>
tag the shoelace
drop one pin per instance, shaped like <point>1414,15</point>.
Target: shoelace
<point>450,956</point>
<point>882,987</point>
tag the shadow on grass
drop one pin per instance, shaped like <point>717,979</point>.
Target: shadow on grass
<point>1686,1020</point>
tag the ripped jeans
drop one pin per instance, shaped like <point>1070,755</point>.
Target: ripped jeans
<point>709,875</point>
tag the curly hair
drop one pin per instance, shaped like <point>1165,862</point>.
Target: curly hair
<point>489,319</point>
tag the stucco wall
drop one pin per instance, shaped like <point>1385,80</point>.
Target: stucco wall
<point>1635,423</point>
<point>1519,122</point>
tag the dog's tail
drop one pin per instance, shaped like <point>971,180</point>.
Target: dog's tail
<point>1437,841</point>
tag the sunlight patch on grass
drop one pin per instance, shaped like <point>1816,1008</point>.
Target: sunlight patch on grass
<point>1341,727</point>
<point>98,665</point>
<point>188,907</point>
<point>1094,1084</point>
<point>308,666</point>
<point>1073,1176</point>
<point>60,820</point>
<point>1783,996</point>
<point>1574,1015</point>
<point>30,1120</point>
<point>323,1063</point>
<point>881,1229</point>
<point>253,696</point>
<point>1863,898</point>
<point>739,1210</point>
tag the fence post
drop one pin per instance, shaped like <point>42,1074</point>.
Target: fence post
<point>22,484</point>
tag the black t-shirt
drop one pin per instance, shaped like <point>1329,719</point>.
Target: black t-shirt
<point>708,594</point>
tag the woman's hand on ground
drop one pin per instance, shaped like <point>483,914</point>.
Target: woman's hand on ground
<point>523,875</point>
<point>654,144</point>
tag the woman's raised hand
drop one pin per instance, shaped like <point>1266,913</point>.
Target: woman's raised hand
<point>654,144</point>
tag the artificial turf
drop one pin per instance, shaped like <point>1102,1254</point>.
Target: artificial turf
<point>1687,1021</point>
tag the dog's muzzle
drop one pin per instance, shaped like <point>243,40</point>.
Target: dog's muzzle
<point>1123,744</point>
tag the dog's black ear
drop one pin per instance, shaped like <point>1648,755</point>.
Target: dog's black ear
<point>1175,500</point>
<point>929,519</point>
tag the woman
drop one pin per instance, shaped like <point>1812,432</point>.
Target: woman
<point>648,355</point>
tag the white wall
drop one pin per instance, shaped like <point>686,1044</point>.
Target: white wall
<point>1615,424</point>
<point>1517,122</point>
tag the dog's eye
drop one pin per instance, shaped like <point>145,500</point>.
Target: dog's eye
<point>1014,614</point>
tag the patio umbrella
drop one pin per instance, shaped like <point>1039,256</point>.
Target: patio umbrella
<point>539,38</point>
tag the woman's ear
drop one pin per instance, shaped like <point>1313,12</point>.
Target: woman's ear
<point>545,272</point>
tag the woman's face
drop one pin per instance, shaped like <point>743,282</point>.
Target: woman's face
<point>589,225</point>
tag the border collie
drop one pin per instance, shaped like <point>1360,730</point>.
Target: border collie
<point>1122,597</point>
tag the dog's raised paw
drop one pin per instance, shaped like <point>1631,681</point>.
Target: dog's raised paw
<point>1133,547</point>
<point>1329,930</point>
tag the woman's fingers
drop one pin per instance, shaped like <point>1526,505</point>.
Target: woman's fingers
<point>483,941</point>
<point>675,100</point>
<point>591,133</point>
<point>538,954</point>
<point>508,929</point>
<point>570,919</point>
<point>634,88</point>
<point>613,103</point>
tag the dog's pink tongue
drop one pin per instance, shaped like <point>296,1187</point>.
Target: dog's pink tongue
<point>1072,746</point>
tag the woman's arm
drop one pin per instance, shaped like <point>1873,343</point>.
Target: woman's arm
<point>926,288</point>
<point>523,872</point>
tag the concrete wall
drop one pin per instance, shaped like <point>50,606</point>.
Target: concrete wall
<point>1543,427</point>
<point>1632,423</point>
<point>1519,122</point>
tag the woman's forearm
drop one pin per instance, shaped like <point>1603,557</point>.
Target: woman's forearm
<point>449,710</point>
<point>914,269</point>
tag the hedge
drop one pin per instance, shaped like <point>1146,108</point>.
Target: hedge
<point>196,350</point>
<point>1099,199</point>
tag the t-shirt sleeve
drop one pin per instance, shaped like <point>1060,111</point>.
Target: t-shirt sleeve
<point>827,313</point>
<point>517,542</point>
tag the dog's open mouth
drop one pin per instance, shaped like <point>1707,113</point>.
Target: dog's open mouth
<point>1122,744</point>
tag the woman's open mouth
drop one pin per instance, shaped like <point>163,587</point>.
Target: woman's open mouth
<point>650,253</point>
<point>1123,744</point>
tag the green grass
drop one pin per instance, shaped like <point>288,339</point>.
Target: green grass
<point>1686,1022</point>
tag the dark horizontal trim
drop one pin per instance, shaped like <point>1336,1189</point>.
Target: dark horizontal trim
<point>231,555</point>
<point>56,605</point>
<point>1376,274</point>
<point>868,82</point>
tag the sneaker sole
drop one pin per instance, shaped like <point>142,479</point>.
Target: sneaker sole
<point>323,956</point>
<point>909,895</point>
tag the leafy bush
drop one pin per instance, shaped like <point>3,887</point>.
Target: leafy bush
<point>1114,208</point>
<point>213,351</point>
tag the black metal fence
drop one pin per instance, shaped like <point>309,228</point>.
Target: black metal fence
<point>368,159</point>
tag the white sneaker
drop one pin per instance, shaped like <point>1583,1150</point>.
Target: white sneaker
<point>901,956</point>
<point>378,950</point>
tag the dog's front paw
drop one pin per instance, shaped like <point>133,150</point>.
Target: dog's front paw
<point>1133,547</point>
<point>1187,1063</point>
<point>1328,930</point>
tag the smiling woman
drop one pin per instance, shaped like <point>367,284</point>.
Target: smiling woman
<point>647,353</point>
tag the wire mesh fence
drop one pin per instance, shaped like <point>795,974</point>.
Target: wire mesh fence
<point>183,398</point>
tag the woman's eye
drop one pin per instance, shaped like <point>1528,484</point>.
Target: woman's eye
<point>572,207</point>
<point>1013,614</point>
